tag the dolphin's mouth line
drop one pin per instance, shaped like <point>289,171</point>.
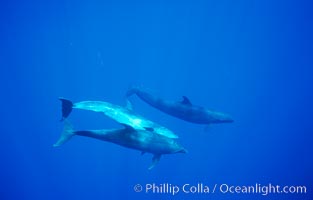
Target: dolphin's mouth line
<point>182,151</point>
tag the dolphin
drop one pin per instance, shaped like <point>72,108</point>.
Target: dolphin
<point>184,109</point>
<point>142,140</point>
<point>120,114</point>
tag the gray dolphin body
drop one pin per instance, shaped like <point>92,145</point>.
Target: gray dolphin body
<point>142,140</point>
<point>184,110</point>
<point>120,114</point>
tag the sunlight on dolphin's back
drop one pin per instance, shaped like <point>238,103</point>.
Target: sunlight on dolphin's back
<point>124,116</point>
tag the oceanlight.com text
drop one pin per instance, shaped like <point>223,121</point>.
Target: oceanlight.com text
<point>202,188</point>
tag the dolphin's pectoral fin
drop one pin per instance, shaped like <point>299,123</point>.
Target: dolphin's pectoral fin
<point>155,160</point>
<point>186,101</point>
<point>149,129</point>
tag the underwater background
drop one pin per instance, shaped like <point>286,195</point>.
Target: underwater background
<point>250,59</point>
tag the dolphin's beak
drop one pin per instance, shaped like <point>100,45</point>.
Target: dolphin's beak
<point>226,119</point>
<point>219,117</point>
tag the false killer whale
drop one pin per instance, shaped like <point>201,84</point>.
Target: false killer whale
<point>120,114</point>
<point>184,110</point>
<point>142,140</point>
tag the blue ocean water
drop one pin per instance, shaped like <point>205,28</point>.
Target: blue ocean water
<point>251,59</point>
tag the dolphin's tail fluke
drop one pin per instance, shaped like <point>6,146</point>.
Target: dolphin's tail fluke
<point>67,133</point>
<point>67,107</point>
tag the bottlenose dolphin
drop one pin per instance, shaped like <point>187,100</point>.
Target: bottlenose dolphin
<point>184,110</point>
<point>142,140</point>
<point>120,114</point>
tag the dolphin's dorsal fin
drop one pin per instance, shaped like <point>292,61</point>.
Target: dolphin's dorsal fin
<point>128,127</point>
<point>155,160</point>
<point>186,101</point>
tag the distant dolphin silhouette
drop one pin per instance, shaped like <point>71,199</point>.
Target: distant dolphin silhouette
<point>184,110</point>
<point>120,114</point>
<point>142,140</point>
